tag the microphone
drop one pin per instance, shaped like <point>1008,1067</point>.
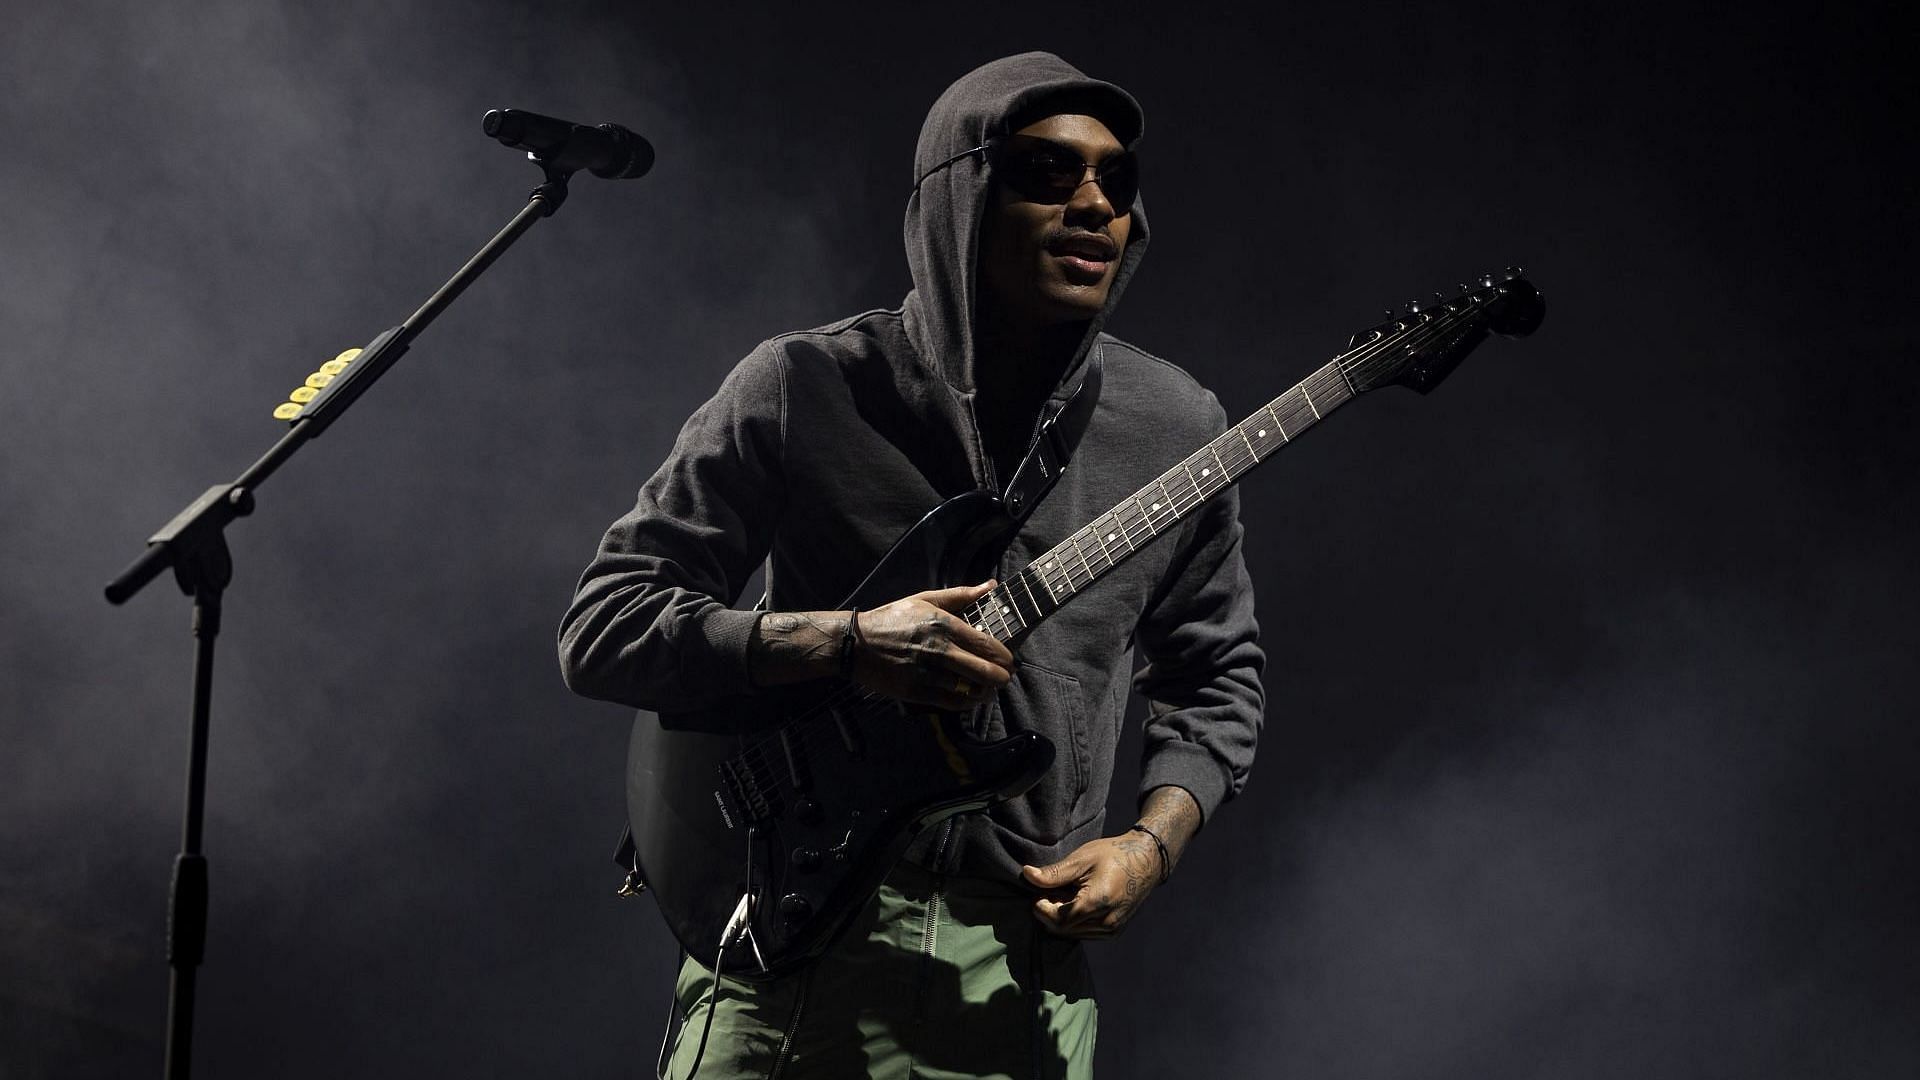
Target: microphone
<point>608,151</point>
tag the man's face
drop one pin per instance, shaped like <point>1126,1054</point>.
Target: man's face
<point>1044,262</point>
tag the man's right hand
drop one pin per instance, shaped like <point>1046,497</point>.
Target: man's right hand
<point>916,649</point>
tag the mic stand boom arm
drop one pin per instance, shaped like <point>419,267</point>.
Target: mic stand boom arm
<point>194,544</point>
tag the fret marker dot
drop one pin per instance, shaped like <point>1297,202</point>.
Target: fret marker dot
<point>1206,472</point>
<point>1109,536</point>
<point>1156,506</point>
<point>1263,433</point>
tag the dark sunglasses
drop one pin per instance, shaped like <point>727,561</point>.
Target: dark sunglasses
<point>1045,171</point>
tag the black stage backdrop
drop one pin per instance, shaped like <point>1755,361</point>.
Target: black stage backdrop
<point>1589,751</point>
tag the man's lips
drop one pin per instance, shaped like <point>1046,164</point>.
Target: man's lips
<point>1090,247</point>
<point>1087,254</point>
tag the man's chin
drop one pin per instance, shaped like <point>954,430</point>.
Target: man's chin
<point>1075,303</point>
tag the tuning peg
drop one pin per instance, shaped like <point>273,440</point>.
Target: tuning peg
<point>1389,313</point>
<point>1413,307</point>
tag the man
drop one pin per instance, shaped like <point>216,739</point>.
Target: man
<point>824,446</point>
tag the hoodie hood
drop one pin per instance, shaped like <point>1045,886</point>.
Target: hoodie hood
<point>944,215</point>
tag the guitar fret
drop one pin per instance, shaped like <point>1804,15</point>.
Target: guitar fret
<point>1066,579</point>
<point>1168,495</point>
<point>1080,551</point>
<point>1052,594</point>
<point>1309,397</point>
<point>1009,612</point>
<point>1033,598</point>
<point>1013,604</point>
<point>1103,534</point>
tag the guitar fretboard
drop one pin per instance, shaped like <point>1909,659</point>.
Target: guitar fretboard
<point>1042,586</point>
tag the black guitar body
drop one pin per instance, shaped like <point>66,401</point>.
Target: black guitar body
<point>804,800</point>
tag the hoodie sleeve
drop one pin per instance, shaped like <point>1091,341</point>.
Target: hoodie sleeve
<point>651,624</point>
<point>1201,680</point>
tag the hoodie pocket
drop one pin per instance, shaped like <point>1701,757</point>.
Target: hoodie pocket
<point>1049,703</point>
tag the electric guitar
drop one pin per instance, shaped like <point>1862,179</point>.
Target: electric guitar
<point>762,844</point>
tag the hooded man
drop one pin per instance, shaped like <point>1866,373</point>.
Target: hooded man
<point>824,446</point>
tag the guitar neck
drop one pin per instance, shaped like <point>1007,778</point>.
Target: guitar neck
<point>1071,566</point>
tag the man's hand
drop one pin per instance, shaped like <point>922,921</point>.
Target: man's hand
<point>914,649</point>
<point>917,650</point>
<point>1094,891</point>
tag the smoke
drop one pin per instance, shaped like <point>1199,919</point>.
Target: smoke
<point>1591,709</point>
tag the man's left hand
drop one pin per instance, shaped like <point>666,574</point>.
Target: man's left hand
<point>1094,891</point>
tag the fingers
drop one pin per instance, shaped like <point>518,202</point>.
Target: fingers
<point>1088,894</point>
<point>917,649</point>
<point>976,670</point>
<point>958,596</point>
<point>978,642</point>
<point>1062,874</point>
<point>1080,917</point>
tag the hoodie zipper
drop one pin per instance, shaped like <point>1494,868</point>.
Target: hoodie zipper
<point>793,1025</point>
<point>930,929</point>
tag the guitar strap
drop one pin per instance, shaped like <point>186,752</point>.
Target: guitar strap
<point>1053,448</point>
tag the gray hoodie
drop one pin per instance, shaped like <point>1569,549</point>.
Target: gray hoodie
<point>823,446</point>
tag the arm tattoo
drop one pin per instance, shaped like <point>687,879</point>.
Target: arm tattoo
<point>788,646</point>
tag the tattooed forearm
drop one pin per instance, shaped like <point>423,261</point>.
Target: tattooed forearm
<point>793,646</point>
<point>1174,816</point>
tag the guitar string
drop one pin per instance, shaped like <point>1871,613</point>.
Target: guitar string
<point>801,729</point>
<point>1234,458</point>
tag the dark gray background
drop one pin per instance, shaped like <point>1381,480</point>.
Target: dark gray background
<point>1590,748</point>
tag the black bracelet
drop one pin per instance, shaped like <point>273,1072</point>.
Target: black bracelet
<point>1166,864</point>
<point>848,641</point>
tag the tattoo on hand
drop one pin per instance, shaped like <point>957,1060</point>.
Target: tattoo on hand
<point>1141,867</point>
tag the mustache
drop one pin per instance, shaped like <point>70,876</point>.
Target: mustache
<point>1060,236</point>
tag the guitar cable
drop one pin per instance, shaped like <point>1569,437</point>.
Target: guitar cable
<point>719,954</point>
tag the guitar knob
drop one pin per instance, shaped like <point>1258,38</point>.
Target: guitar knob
<point>794,907</point>
<point>806,810</point>
<point>806,858</point>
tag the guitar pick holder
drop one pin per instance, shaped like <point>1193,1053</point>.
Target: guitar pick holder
<point>194,545</point>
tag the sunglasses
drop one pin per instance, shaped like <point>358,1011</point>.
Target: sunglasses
<point>1044,171</point>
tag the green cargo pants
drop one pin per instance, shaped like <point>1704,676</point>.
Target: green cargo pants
<point>938,977</point>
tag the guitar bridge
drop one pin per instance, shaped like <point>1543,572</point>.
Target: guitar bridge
<point>748,791</point>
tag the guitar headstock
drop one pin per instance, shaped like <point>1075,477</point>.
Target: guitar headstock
<point>1422,345</point>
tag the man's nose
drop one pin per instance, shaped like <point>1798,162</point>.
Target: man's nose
<point>1089,201</point>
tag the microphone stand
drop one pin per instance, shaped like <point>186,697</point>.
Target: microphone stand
<point>194,544</point>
